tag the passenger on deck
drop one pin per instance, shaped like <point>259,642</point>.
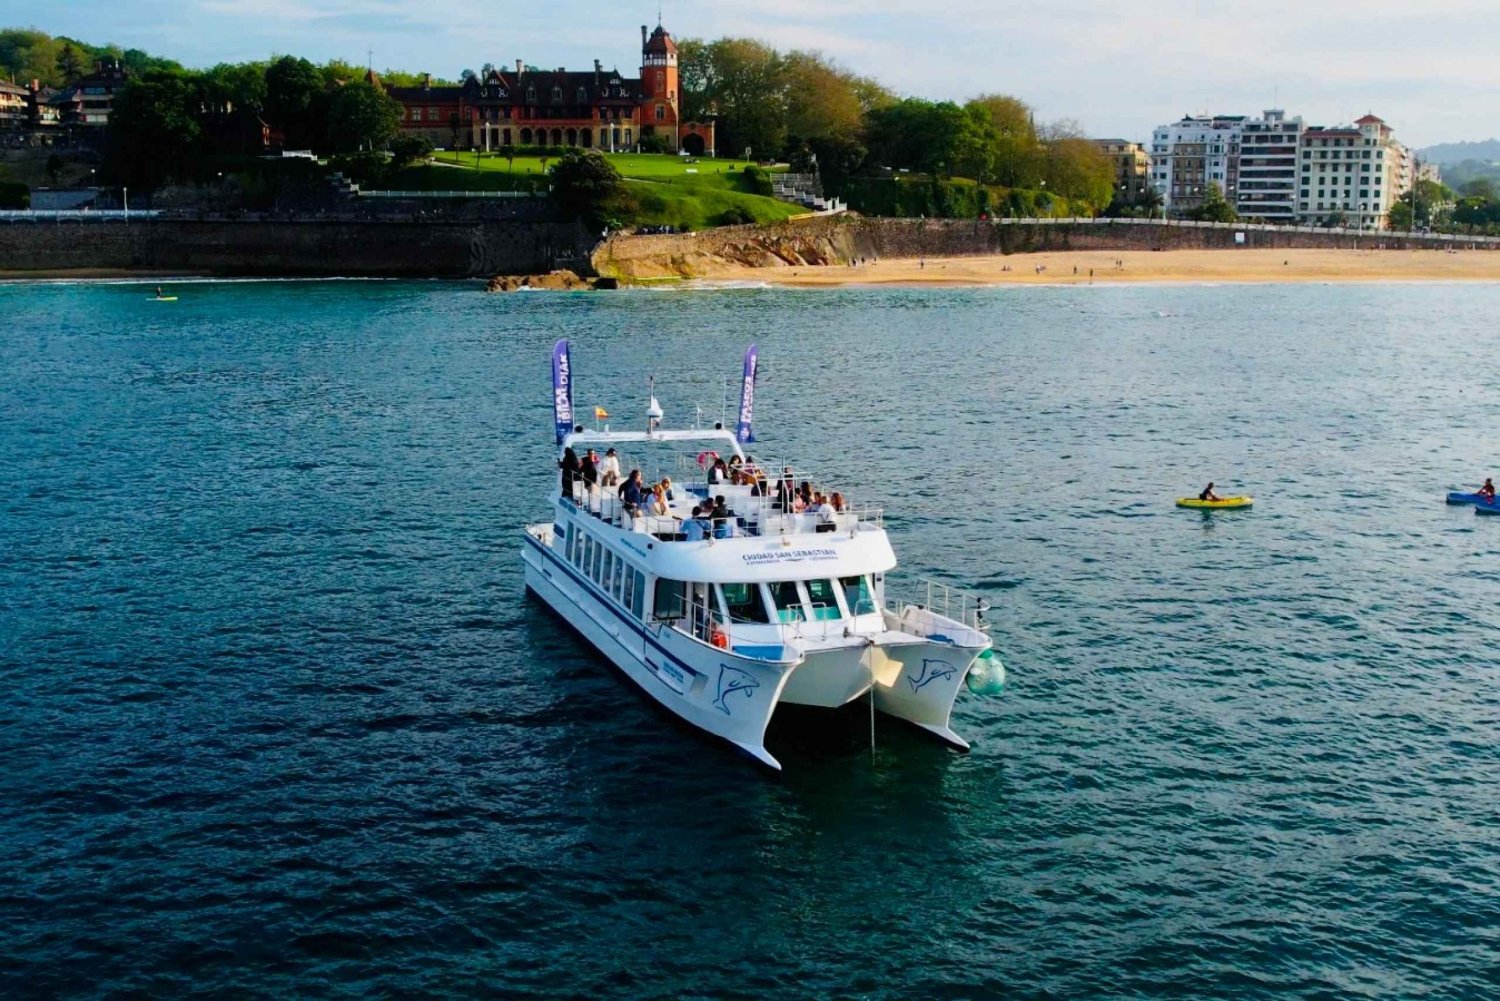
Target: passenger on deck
<point>836,501</point>
<point>590,472</point>
<point>571,469</point>
<point>633,494</point>
<point>785,490</point>
<point>657,508</point>
<point>754,477</point>
<point>718,472</point>
<point>737,471</point>
<point>666,488</point>
<point>695,529</point>
<point>723,519</point>
<point>609,473</point>
<point>805,495</point>
<point>822,509</point>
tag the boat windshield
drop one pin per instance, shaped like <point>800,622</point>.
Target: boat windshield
<point>788,601</point>
<point>823,596</point>
<point>743,603</point>
<point>858,594</point>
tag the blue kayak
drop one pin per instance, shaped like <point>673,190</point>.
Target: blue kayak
<point>1455,497</point>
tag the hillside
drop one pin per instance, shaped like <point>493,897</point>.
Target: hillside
<point>1451,154</point>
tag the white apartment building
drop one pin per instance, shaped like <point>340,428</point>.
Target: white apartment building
<point>1268,167</point>
<point>1351,174</point>
<point>1188,155</point>
<point>1252,160</point>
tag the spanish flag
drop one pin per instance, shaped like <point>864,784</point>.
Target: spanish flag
<point>600,414</point>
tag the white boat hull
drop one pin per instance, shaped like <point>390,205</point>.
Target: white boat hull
<point>727,695</point>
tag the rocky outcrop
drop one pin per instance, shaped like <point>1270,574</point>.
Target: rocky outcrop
<point>561,280</point>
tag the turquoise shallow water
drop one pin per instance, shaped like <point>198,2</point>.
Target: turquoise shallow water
<point>278,718</point>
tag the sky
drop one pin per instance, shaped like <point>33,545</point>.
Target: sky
<point>1118,69</point>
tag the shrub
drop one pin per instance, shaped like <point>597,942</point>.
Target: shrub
<point>14,195</point>
<point>735,215</point>
<point>755,181</point>
<point>655,144</point>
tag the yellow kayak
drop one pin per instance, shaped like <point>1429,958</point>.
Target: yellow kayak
<point>1223,503</point>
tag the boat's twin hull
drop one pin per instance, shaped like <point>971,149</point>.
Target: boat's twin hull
<point>730,696</point>
<point>733,696</point>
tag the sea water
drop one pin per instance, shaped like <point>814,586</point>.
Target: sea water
<point>278,717</point>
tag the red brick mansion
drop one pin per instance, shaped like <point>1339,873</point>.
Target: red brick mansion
<point>589,109</point>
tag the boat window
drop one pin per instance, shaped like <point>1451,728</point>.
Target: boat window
<point>617,586</point>
<point>670,601</point>
<point>602,577</point>
<point>858,594</point>
<point>638,595</point>
<point>824,598</point>
<point>788,601</point>
<point>583,552</point>
<point>744,603</point>
<point>598,561</point>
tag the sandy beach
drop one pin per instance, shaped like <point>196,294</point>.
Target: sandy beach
<point>1100,267</point>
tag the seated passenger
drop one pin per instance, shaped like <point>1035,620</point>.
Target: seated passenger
<point>657,506</point>
<point>785,490</point>
<point>666,488</point>
<point>718,472</point>
<point>695,529</point>
<point>822,509</point>
<point>723,519</point>
<point>633,493</point>
<point>837,503</point>
<point>737,471</point>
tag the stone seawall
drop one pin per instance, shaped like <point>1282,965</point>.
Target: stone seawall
<point>841,239</point>
<point>353,249</point>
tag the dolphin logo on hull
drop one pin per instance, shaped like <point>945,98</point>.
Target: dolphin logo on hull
<point>731,680</point>
<point>931,671</point>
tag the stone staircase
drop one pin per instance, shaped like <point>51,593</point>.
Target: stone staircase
<point>806,190</point>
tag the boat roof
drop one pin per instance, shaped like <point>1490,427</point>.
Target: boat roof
<point>708,436</point>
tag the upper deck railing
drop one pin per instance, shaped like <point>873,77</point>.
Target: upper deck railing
<point>908,600</point>
<point>753,494</point>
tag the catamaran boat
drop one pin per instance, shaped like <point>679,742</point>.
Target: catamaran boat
<point>723,621</point>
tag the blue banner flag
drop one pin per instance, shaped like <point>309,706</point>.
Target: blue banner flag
<point>742,432</point>
<point>562,389</point>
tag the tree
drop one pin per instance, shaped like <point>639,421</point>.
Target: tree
<point>1018,153</point>
<point>406,150</point>
<point>294,91</point>
<point>361,116</point>
<point>821,99</point>
<point>742,79</point>
<point>586,186</point>
<point>69,66</point>
<point>1214,207</point>
<point>466,76</point>
<point>154,130</point>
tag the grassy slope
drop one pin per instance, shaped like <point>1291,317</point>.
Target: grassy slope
<point>668,190</point>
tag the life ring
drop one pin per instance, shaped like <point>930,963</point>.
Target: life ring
<point>719,639</point>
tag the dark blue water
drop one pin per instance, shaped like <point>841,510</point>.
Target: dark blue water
<point>278,718</point>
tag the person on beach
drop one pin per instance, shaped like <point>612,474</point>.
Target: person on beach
<point>1208,494</point>
<point>1488,490</point>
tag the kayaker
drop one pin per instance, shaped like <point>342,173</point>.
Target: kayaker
<point>1208,494</point>
<point>1488,490</point>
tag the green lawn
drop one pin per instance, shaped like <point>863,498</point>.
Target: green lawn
<point>668,190</point>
